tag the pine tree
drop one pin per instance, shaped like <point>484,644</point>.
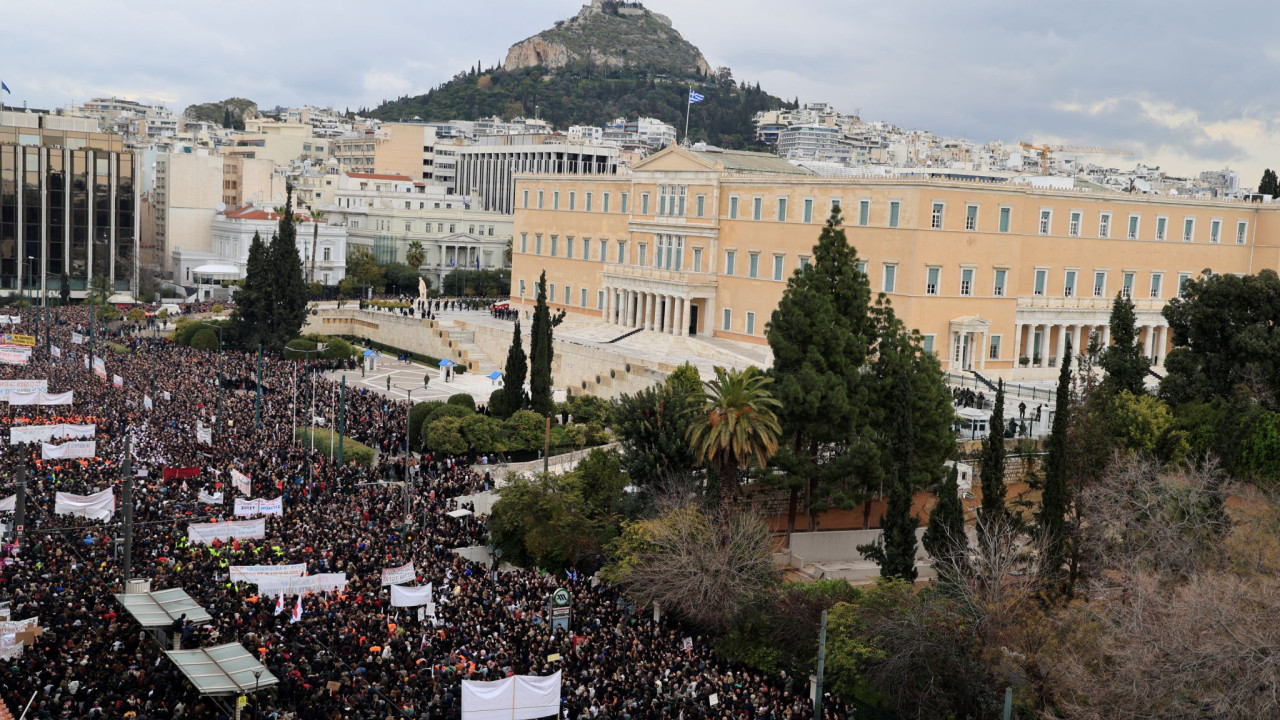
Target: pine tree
<point>1124,362</point>
<point>944,539</point>
<point>895,551</point>
<point>540,354</point>
<point>1056,494</point>
<point>1270,183</point>
<point>254,299</point>
<point>821,335</point>
<point>517,369</point>
<point>288,312</point>
<point>992,467</point>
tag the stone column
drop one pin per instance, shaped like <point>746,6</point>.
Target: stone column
<point>984,350</point>
<point>628,308</point>
<point>608,300</point>
<point>1106,336</point>
<point>669,327</point>
<point>1162,342</point>
<point>1017,344</point>
<point>1147,339</point>
<point>1046,345</point>
<point>681,308</point>
<point>1075,340</point>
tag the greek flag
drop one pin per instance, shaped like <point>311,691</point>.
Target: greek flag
<point>5,87</point>
<point>695,96</point>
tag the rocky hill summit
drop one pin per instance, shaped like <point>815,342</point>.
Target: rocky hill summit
<point>611,33</point>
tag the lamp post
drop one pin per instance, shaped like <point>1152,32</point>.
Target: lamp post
<point>218,410</point>
<point>408,453</point>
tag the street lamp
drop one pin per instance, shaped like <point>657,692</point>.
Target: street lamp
<point>408,453</point>
<point>256,674</point>
<point>218,412</point>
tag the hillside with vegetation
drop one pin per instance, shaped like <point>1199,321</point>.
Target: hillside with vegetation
<point>229,113</point>
<point>613,60</point>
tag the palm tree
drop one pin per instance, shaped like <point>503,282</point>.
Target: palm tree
<point>317,217</point>
<point>735,425</point>
<point>415,255</point>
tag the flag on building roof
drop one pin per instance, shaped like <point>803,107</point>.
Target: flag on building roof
<point>695,96</point>
<point>5,87</point>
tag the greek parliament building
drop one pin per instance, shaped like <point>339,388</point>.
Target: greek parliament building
<point>996,277</point>
<point>68,204</point>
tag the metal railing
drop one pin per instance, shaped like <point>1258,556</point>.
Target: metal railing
<point>1026,392</point>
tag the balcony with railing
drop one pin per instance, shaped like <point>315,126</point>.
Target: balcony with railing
<point>660,275</point>
<point>1086,303</point>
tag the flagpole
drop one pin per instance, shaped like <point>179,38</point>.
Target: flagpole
<point>688,105</point>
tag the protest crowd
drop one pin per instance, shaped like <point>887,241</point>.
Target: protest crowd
<point>343,654</point>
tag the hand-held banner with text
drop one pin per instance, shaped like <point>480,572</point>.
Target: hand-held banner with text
<point>98,506</point>
<point>404,596</point>
<point>45,433</point>
<point>253,573</point>
<point>69,451</point>
<point>99,368</point>
<point>206,533</point>
<point>40,397</point>
<point>208,498</point>
<point>520,697</point>
<point>8,386</point>
<point>259,506</point>
<point>242,483</point>
<point>402,574</point>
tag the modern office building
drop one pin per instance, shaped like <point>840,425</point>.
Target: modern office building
<point>486,171</point>
<point>68,205</point>
<point>996,276</point>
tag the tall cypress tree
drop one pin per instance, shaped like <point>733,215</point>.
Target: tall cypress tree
<point>1270,183</point>
<point>895,551</point>
<point>821,335</point>
<point>1056,495</point>
<point>992,466</point>
<point>1124,362</point>
<point>255,297</point>
<point>289,309</point>
<point>944,539</point>
<point>540,354</point>
<point>517,369</point>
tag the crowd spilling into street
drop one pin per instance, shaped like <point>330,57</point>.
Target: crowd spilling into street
<point>350,655</point>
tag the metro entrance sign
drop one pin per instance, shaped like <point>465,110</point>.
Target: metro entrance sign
<point>561,612</point>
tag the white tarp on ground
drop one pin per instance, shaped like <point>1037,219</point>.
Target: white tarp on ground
<point>225,531</point>
<point>26,386</point>
<point>68,451</point>
<point>98,506</point>
<point>520,697</point>
<point>40,397</point>
<point>402,596</point>
<point>45,433</point>
<point>318,583</point>
<point>253,573</point>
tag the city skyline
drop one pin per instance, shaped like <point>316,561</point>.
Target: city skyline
<point>1106,78</point>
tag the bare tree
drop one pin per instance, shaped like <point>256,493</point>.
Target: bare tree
<point>707,564</point>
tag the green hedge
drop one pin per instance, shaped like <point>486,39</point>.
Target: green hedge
<point>463,400</point>
<point>352,451</point>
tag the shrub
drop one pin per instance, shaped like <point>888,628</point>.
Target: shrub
<point>352,451</point>
<point>137,316</point>
<point>109,312</point>
<point>463,400</point>
<point>416,417</point>
<point>299,349</point>
<point>205,339</point>
<point>439,412</point>
<point>445,436</point>
<point>495,400</point>
<point>338,349</point>
<point>217,309</point>
<point>481,433</point>
<point>525,430</point>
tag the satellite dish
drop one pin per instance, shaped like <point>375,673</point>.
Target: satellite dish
<point>222,207</point>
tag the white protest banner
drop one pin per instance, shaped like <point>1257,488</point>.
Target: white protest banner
<point>204,434</point>
<point>318,583</point>
<point>242,482</point>
<point>117,381</point>
<point>224,531</point>
<point>13,627</point>
<point>146,401</point>
<point>165,395</point>
<point>12,355</point>
<point>519,697</point>
<point>260,506</point>
<point>98,506</point>
<point>100,367</point>
<point>45,433</point>
<point>69,451</point>
<point>8,504</point>
<point>207,499</point>
<point>55,351</point>
<point>402,574</point>
<point>402,596</point>
<point>77,338</point>
<point>12,650</point>
<point>85,360</point>
<point>10,319</point>
<point>251,573</point>
<point>7,386</point>
<point>40,397</point>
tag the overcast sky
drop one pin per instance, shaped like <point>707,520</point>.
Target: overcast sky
<point>1185,85</point>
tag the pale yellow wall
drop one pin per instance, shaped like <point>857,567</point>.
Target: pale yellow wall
<point>913,246</point>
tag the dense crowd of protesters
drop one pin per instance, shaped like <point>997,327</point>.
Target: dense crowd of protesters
<point>351,655</point>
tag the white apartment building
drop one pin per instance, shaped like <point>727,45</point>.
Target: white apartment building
<point>231,233</point>
<point>386,213</point>
<point>486,171</point>
<point>814,142</point>
<point>652,132</point>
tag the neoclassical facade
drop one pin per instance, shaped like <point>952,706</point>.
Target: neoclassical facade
<point>995,276</point>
